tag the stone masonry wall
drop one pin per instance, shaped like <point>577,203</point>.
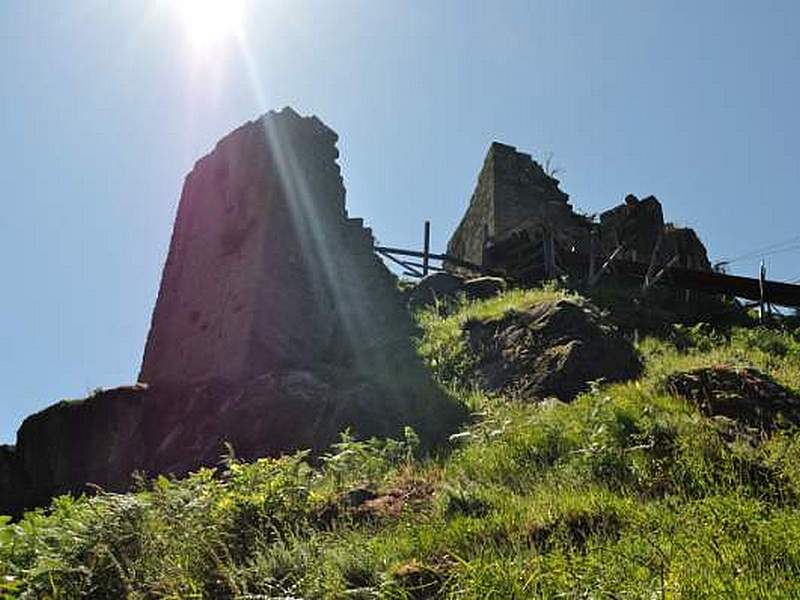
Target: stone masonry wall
<point>265,271</point>
<point>478,222</point>
<point>513,192</point>
<point>639,223</point>
<point>524,193</point>
<point>276,328</point>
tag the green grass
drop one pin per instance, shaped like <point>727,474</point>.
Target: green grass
<point>442,343</point>
<point>625,493</point>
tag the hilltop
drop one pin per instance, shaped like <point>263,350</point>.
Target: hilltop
<point>640,488</point>
<point>585,417</point>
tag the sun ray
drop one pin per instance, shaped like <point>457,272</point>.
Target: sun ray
<point>210,25</point>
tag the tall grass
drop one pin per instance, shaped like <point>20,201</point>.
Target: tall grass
<point>627,492</point>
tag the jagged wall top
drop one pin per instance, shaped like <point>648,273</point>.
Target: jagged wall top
<point>261,245</point>
<point>513,191</point>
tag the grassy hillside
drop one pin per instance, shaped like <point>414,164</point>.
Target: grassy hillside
<point>628,492</point>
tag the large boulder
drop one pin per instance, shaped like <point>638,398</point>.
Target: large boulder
<point>745,395</point>
<point>483,288</point>
<point>104,439</point>
<point>446,287</point>
<point>553,349</point>
<point>434,288</point>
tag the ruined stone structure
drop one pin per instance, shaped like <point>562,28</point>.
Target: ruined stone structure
<point>513,192</point>
<point>276,327</point>
<point>639,224</point>
<point>515,196</point>
<point>265,270</point>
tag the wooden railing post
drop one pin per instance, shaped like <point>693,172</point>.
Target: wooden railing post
<point>762,278</point>
<point>426,252</point>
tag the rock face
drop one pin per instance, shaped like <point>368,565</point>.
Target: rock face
<point>553,349</point>
<point>276,327</point>
<point>104,439</point>
<point>15,488</point>
<point>434,288</point>
<point>744,395</point>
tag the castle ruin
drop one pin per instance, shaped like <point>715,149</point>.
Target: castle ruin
<point>266,271</point>
<point>515,196</point>
<point>276,328</point>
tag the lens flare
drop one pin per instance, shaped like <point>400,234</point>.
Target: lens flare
<point>210,24</point>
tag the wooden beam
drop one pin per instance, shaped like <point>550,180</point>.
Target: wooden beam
<point>409,270</point>
<point>443,257</point>
<point>709,282</point>
<point>607,265</point>
<point>762,290</point>
<point>653,260</point>
<point>419,265</point>
<point>660,275</point>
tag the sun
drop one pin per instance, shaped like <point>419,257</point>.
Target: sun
<point>210,23</point>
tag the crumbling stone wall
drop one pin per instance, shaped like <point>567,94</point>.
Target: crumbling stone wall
<point>526,196</point>
<point>639,224</point>
<point>635,223</point>
<point>265,270</point>
<point>478,223</point>
<point>513,193</point>
<point>516,198</point>
<point>276,327</point>
<point>686,244</point>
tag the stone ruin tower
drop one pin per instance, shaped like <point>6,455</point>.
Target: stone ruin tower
<point>265,270</point>
<point>267,274</point>
<point>276,327</point>
<point>513,192</point>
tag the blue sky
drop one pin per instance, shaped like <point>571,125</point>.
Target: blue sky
<point>105,109</point>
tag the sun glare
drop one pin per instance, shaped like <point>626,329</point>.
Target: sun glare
<point>210,23</point>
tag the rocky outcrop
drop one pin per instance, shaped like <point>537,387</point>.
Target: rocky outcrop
<point>106,438</point>
<point>744,395</point>
<point>15,488</point>
<point>435,288</point>
<point>483,288</point>
<point>276,327</point>
<point>446,287</point>
<point>553,349</point>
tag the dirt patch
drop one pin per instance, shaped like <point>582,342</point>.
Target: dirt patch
<point>421,581</point>
<point>745,395</point>
<point>413,494</point>
<point>553,349</point>
<point>365,504</point>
